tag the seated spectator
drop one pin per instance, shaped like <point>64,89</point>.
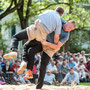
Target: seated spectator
<point>68,55</point>
<point>82,75</point>
<point>76,62</point>
<point>0,64</point>
<point>52,67</point>
<point>2,80</point>
<point>78,55</point>
<point>71,78</point>
<point>22,80</point>
<point>88,56</point>
<point>56,56</point>
<point>73,56</point>
<point>83,56</point>
<point>49,78</point>
<point>64,69</point>
<point>60,60</point>
<point>35,73</point>
<point>71,63</point>
<point>67,60</point>
<point>16,79</point>
<point>62,54</point>
<point>15,66</point>
<point>5,68</point>
<point>88,68</point>
<point>80,66</point>
<point>88,65</point>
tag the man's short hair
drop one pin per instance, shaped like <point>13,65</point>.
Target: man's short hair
<point>60,10</point>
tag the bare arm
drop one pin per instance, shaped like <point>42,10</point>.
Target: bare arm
<point>55,82</point>
<point>56,38</point>
<point>62,81</point>
<point>74,82</point>
<point>53,46</point>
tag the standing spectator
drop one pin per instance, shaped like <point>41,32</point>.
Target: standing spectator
<point>83,56</point>
<point>49,78</point>
<point>71,63</point>
<point>71,78</point>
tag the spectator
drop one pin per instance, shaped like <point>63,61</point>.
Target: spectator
<point>88,56</point>
<point>0,64</point>
<point>82,75</point>
<point>71,78</point>
<point>71,63</point>
<point>67,60</point>
<point>88,68</point>
<point>60,60</point>
<point>16,79</point>
<point>76,62</point>
<point>88,65</point>
<point>52,67</point>
<point>49,78</point>
<point>80,66</point>
<point>83,56</point>
<point>62,54</point>
<point>64,69</point>
<point>68,55</point>
<point>22,80</point>
<point>73,56</point>
<point>56,56</point>
<point>78,55</point>
<point>15,66</point>
<point>1,53</point>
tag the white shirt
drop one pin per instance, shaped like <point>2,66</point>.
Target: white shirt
<point>82,75</point>
<point>84,59</point>
<point>51,68</point>
<point>78,68</point>
<point>49,78</point>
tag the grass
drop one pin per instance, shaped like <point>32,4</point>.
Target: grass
<point>86,84</point>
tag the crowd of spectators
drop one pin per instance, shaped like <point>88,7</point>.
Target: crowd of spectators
<point>63,69</point>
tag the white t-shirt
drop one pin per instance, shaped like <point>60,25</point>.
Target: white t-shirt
<point>82,75</point>
<point>84,59</point>
<point>49,78</point>
<point>51,68</point>
<point>78,68</point>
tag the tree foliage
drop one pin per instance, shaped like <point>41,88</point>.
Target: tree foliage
<point>27,12</point>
